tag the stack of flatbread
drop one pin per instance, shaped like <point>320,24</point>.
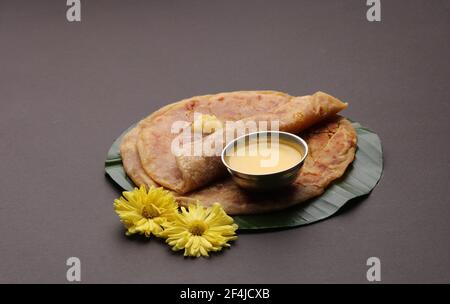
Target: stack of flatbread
<point>148,159</point>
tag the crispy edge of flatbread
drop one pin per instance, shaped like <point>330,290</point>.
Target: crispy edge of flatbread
<point>332,148</point>
<point>131,161</point>
<point>130,155</point>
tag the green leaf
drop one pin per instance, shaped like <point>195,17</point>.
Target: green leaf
<point>113,164</point>
<point>360,178</point>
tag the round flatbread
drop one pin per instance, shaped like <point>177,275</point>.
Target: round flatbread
<point>129,152</point>
<point>157,133</point>
<point>131,161</point>
<point>332,147</point>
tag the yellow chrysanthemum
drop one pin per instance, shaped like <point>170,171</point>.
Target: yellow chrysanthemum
<point>146,212</point>
<point>199,230</point>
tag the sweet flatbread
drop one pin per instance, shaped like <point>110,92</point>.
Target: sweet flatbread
<point>154,142</point>
<point>332,146</point>
<point>156,134</point>
<point>131,161</point>
<point>294,116</point>
<point>129,153</point>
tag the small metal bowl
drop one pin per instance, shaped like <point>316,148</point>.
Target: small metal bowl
<point>270,181</point>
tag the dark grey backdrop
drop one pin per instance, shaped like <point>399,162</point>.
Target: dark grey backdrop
<point>67,90</point>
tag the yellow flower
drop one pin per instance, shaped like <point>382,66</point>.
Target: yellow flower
<point>199,230</point>
<point>145,212</point>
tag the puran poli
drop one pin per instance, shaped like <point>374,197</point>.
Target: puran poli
<point>129,153</point>
<point>332,146</point>
<point>154,143</point>
<point>131,161</point>
<point>294,116</point>
<point>155,137</point>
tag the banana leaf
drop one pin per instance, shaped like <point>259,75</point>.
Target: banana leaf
<point>359,180</point>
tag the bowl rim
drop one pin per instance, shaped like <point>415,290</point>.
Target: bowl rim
<point>298,138</point>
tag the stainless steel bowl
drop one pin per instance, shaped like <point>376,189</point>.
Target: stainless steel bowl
<point>265,182</point>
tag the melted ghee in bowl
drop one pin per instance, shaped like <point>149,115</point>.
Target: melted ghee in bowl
<point>264,157</point>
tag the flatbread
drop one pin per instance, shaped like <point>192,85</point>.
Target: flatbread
<point>156,134</point>
<point>294,116</point>
<point>129,153</point>
<point>131,161</point>
<point>332,147</point>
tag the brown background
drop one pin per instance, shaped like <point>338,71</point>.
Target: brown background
<point>67,90</point>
